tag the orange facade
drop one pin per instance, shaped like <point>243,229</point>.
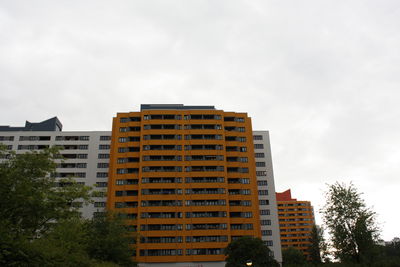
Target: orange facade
<point>185,179</point>
<point>296,219</point>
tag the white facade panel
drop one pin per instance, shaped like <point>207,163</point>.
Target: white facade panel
<point>266,193</point>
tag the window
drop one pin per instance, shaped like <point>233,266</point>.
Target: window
<point>160,252</point>
<point>81,165</point>
<point>104,156</point>
<point>6,138</point>
<point>82,156</point>
<point>262,183</point>
<point>269,243</point>
<point>105,138</point>
<point>83,147</point>
<point>102,174</point>
<point>33,138</point>
<point>101,184</point>
<point>245,181</point>
<point>99,204</point>
<point>260,164</point>
<point>134,118</point>
<point>265,222</point>
<point>243,149</point>
<point>101,147</point>
<point>122,149</point>
<point>204,251</point>
<point>266,232</point>
<point>257,137</point>
<point>243,159</point>
<point>259,155</point>
<point>258,146</point>
<point>246,203</point>
<point>261,173</point>
<point>262,192</point>
<point>102,165</point>
<point>247,214</point>
<point>264,202</point>
<point>265,212</point>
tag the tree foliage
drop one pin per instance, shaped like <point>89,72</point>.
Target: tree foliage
<point>244,249</point>
<point>108,240</point>
<point>350,223</point>
<point>318,249</point>
<point>40,226</point>
<point>293,257</point>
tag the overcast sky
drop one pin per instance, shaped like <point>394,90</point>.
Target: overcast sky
<point>322,76</point>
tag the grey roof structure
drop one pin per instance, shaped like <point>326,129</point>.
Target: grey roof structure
<point>52,124</point>
<point>173,106</point>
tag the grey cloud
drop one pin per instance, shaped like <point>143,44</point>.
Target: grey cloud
<point>322,76</point>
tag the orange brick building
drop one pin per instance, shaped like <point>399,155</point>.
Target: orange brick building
<point>184,177</point>
<point>296,219</point>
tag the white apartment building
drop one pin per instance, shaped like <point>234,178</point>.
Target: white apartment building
<point>86,155</point>
<point>266,193</point>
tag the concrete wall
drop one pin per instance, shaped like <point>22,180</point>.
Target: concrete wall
<point>266,174</point>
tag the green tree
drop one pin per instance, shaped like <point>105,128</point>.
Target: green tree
<point>108,240</point>
<point>29,202</point>
<point>293,257</point>
<point>100,241</point>
<point>350,223</point>
<point>65,245</point>
<point>318,248</point>
<point>244,249</point>
<point>388,255</point>
<point>41,226</point>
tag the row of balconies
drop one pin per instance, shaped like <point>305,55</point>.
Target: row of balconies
<point>179,252</point>
<point>178,137</point>
<point>188,191</point>
<point>195,226</point>
<point>179,239</point>
<point>179,158</point>
<point>168,180</point>
<point>197,214</point>
<point>179,127</point>
<point>172,148</point>
<point>179,169</point>
<point>179,117</point>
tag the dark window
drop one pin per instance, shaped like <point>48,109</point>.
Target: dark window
<point>260,164</point>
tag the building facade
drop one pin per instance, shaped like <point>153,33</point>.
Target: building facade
<point>85,155</point>
<point>266,193</point>
<point>188,179</point>
<point>296,220</point>
<point>186,176</point>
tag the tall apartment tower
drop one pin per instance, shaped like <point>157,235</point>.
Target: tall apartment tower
<point>86,155</point>
<point>296,219</point>
<point>266,193</point>
<point>186,177</point>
